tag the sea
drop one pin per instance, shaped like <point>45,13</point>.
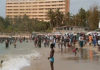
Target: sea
<point>19,57</point>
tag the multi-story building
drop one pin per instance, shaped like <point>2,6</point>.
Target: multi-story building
<point>35,8</point>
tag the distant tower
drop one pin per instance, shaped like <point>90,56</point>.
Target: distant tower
<point>67,7</point>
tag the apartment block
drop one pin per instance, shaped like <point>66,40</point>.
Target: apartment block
<point>35,8</point>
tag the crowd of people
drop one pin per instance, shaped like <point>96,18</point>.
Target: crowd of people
<point>9,41</point>
<point>68,41</point>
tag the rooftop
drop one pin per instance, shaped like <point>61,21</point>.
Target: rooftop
<point>31,0</point>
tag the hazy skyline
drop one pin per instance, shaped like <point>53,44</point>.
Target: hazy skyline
<point>75,5</point>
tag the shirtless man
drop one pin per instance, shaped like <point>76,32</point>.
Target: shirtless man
<point>51,58</point>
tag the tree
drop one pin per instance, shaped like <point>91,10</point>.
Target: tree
<point>51,16</point>
<point>7,22</point>
<point>41,26</point>
<point>58,17</point>
<point>2,24</point>
<point>66,19</point>
<point>82,15</point>
<point>93,18</point>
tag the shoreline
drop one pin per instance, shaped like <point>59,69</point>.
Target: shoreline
<point>38,64</point>
<point>62,62</point>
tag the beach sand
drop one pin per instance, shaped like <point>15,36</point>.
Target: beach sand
<point>62,62</point>
<point>44,64</point>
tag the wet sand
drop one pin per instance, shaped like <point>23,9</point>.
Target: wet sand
<point>62,62</point>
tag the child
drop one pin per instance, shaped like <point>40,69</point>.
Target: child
<point>75,51</point>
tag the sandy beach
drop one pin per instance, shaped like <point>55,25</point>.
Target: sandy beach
<point>65,61</point>
<point>62,62</point>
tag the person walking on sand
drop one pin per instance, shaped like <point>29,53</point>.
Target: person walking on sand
<point>51,57</point>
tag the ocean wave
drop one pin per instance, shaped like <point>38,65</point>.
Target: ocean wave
<point>17,62</point>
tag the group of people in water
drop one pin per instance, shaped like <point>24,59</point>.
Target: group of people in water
<point>12,41</point>
<point>73,42</point>
<point>61,41</point>
<point>68,41</point>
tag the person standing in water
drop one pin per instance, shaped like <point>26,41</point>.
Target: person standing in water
<point>81,44</point>
<point>7,43</point>
<point>51,57</point>
<point>15,44</point>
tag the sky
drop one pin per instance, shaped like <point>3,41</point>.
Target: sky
<point>75,5</point>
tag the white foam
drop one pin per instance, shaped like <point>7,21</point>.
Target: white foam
<point>18,62</point>
<point>15,64</point>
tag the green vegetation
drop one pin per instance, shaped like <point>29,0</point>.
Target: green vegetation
<point>83,18</point>
<point>22,24</point>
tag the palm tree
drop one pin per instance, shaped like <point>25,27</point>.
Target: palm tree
<point>51,16</point>
<point>2,21</point>
<point>66,19</point>
<point>59,17</point>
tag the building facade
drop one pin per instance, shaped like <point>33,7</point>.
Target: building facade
<point>35,8</point>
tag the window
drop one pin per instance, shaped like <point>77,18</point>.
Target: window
<point>47,2</point>
<point>53,1</point>
<point>41,9</point>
